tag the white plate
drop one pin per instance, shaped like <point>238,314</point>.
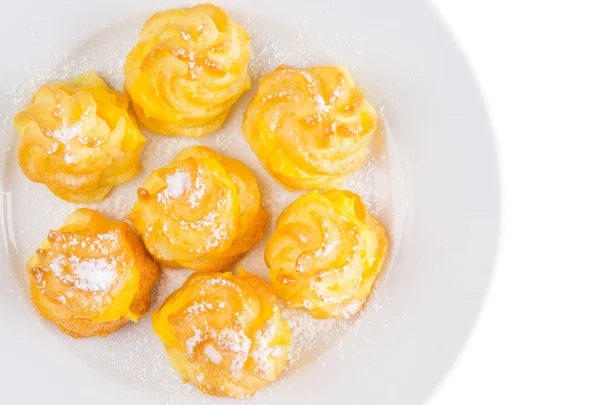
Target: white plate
<point>431,179</point>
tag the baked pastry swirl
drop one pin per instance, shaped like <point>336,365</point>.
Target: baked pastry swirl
<point>310,128</point>
<point>78,139</point>
<point>91,276</point>
<point>201,211</point>
<point>187,70</point>
<point>224,333</point>
<point>326,253</point>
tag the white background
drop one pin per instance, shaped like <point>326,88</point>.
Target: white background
<point>538,336</point>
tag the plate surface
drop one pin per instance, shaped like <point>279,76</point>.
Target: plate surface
<point>431,179</point>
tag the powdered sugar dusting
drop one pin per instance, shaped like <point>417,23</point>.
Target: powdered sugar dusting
<point>177,184</point>
<point>238,342</point>
<point>263,352</point>
<point>327,247</point>
<point>66,134</point>
<point>213,354</point>
<point>95,275</point>
<point>199,307</point>
<point>321,106</point>
<point>69,157</point>
<point>199,190</point>
<point>227,339</point>
<point>311,337</point>
<point>192,342</point>
<point>350,308</point>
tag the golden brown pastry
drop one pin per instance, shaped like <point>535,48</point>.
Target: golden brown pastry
<point>187,69</point>
<point>202,211</point>
<point>310,128</point>
<point>224,333</point>
<point>326,253</point>
<point>78,139</point>
<point>91,276</point>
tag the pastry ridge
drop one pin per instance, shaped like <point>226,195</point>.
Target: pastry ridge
<point>224,333</point>
<point>310,128</point>
<point>202,211</point>
<point>78,138</point>
<point>326,253</point>
<point>187,70</point>
<point>91,276</point>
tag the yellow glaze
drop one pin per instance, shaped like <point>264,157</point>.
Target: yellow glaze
<point>201,211</point>
<point>310,128</point>
<point>91,276</point>
<point>224,333</point>
<point>78,138</point>
<point>187,70</point>
<point>326,253</point>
